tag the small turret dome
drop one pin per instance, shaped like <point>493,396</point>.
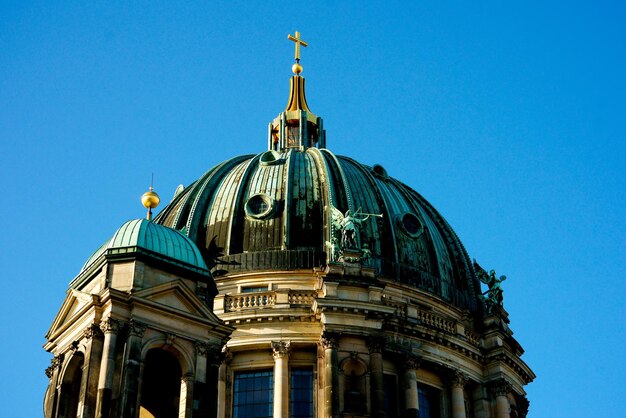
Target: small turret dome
<point>157,241</point>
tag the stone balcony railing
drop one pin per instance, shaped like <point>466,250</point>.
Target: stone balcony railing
<point>260,300</point>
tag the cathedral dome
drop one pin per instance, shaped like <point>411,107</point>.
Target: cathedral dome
<point>280,209</point>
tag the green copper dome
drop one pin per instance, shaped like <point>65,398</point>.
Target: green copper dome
<point>280,210</point>
<point>143,236</point>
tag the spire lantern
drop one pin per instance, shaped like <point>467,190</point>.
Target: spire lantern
<point>296,127</point>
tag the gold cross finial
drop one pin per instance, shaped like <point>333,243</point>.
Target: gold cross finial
<point>298,42</point>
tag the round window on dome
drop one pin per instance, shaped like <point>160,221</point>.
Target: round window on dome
<point>411,225</point>
<point>259,206</point>
<point>380,171</point>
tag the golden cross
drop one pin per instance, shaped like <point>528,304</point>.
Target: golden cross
<point>298,42</point>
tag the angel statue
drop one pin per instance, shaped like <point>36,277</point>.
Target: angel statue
<point>494,293</point>
<point>348,225</point>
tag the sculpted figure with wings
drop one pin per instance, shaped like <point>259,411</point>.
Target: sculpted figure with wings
<point>494,294</point>
<point>348,224</point>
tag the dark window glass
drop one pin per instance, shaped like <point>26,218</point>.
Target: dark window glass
<point>254,289</point>
<point>301,396</point>
<point>391,395</point>
<point>253,394</point>
<point>429,402</point>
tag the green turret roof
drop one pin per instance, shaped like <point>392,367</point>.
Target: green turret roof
<point>141,235</point>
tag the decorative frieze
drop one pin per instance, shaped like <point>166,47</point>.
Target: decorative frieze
<point>281,348</point>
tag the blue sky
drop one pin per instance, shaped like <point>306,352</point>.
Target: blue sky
<point>509,118</point>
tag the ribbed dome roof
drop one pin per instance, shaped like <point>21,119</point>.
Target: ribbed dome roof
<point>160,241</point>
<point>274,211</point>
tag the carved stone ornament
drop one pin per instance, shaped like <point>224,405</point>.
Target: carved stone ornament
<point>330,340</point>
<point>92,331</point>
<point>136,328</point>
<point>281,348</point>
<point>201,348</point>
<point>375,344</point>
<point>110,325</point>
<point>54,364</point>
<point>227,355</point>
<point>458,379</point>
<point>412,363</point>
<point>212,352</point>
<point>522,406</point>
<point>500,387</point>
<point>169,338</point>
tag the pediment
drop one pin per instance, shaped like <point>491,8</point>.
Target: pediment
<point>74,305</point>
<point>178,297</point>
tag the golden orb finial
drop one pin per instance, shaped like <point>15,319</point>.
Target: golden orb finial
<point>150,200</point>
<point>296,68</point>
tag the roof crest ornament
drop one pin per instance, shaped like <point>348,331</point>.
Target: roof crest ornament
<point>297,68</point>
<point>150,199</point>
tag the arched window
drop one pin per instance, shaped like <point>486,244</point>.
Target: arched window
<point>161,385</point>
<point>70,387</point>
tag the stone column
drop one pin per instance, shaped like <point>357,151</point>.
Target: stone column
<point>110,327</point>
<point>132,369</point>
<point>222,386</point>
<point>91,370</point>
<point>281,351</point>
<point>411,396</point>
<point>377,394</point>
<point>50,404</point>
<point>205,385</point>
<point>185,410</point>
<point>458,380</point>
<point>499,390</point>
<point>522,406</point>
<point>330,342</point>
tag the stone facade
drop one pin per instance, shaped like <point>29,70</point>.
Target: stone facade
<point>335,291</point>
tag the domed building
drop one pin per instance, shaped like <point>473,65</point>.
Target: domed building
<point>291,283</point>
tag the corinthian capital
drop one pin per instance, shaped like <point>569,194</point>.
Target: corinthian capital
<point>458,379</point>
<point>110,325</point>
<point>92,331</point>
<point>376,344</point>
<point>412,363</point>
<point>330,340</point>
<point>281,348</point>
<point>500,387</point>
<point>136,328</point>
